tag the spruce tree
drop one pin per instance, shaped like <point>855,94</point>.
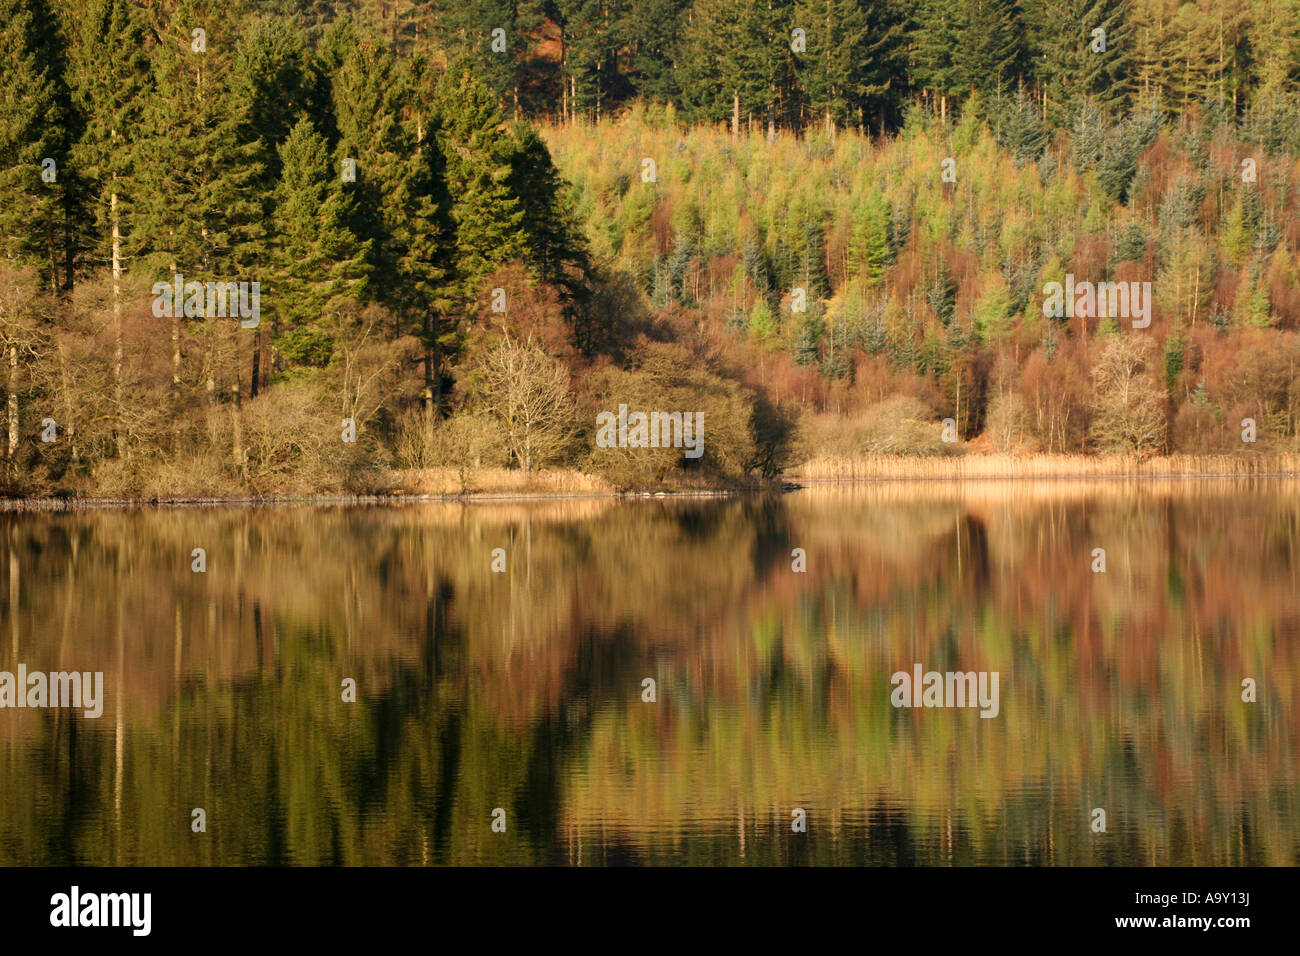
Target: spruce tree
<point>466,29</point>
<point>488,215</point>
<point>272,78</point>
<point>1021,131</point>
<point>738,55</point>
<point>869,245</point>
<point>403,200</point>
<point>200,206</point>
<point>33,133</point>
<point>556,249</point>
<point>1070,67</point>
<point>318,262</point>
<point>108,76</point>
<point>938,28</point>
<point>831,70</point>
<point>593,35</point>
<point>992,53</point>
<point>652,32</point>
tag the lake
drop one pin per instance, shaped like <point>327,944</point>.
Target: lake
<point>503,716</point>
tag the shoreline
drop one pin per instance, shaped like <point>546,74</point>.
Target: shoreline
<point>783,486</point>
<point>61,504</point>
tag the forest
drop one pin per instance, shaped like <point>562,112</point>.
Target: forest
<point>828,228</point>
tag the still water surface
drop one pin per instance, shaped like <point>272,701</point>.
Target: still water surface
<point>523,690</point>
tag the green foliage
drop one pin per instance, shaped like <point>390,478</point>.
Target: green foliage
<point>318,262</point>
<point>33,129</point>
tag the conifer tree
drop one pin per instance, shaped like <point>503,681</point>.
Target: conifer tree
<point>499,59</point>
<point>33,143</point>
<point>273,80</point>
<point>1021,130</point>
<point>741,57</point>
<point>108,76</point>
<point>652,34</point>
<point>1070,63</point>
<point>200,207</point>
<point>488,215</point>
<point>992,52</point>
<point>593,34</point>
<point>556,249</point>
<point>831,70</point>
<point>869,246</point>
<point>318,262</point>
<point>854,58</point>
<point>938,27</point>
<point>403,200</point>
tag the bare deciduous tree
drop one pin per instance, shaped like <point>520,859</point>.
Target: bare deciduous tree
<point>528,393</point>
<point>17,338</point>
<point>1128,413</point>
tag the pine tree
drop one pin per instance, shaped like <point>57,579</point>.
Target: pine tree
<point>33,132</point>
<point>739,55</point>
<point>367,95</point>
<point>592,32</point>
<point>1069,69</point>
<point>991,54</point>
<point>108,76</point>
<point>556,249</point>
<point>488,215</point>
<point>402,196</point>
<point>200,209</point>
<point>869,246</point>
<point>318,262</point>
<point>831,72</point>
<point>273,80</point>
<point>467,30</point>
<point>652,34</point>
<point>812,266</point>
<point>1274,38</point>
<point>938,29</point>
<point>1021,131</point>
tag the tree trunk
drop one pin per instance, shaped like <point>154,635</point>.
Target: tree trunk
<point>117,325</point>
<point>13,401</point>
<point>176,341</point>
<point>428,370</point>
<point>71,430</point>
<point>255,385</point>
<point>236,421</point>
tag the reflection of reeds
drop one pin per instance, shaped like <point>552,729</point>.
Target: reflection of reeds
<point>541,511</point>
<point>1044,466</point>
<point>1010,492</point>
<point>453,481</point>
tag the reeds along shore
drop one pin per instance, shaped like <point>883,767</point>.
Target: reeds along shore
<point>1043,466</point>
